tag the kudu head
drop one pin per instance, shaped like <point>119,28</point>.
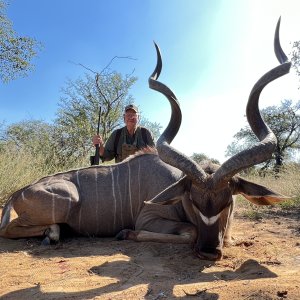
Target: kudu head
<point>206,190</point>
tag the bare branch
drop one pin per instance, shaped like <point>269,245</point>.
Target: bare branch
<point>106,67</point>
<point>83,66</point>
<point>126,57</point>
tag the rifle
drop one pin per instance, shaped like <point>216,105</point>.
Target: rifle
<point>95,159</point>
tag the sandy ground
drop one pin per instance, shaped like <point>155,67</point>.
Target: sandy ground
<point>264,263</point>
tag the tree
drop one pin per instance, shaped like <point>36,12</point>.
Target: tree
<point>198,157</point>
<point>295,59</point>
<point>31,134</point>
<point>77,117</point>
<point>16,52</point>
<point>36,138</point>
<point>284,120</point>
<point>154,127</point>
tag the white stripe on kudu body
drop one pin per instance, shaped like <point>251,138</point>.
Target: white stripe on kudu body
<point>120,204</point>
<point>114,195</point>
<point>129,189</point>
<point>79,213</point>
<point>139,184</point>
<point>69,204</point>
<point>79,219</point>
<point>209,221</point>
<point>53,206</point>
<point>97,202</point>
<point>48,184</point>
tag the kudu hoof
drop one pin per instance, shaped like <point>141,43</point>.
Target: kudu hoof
<point>123,234</point>
<point>46,241</point>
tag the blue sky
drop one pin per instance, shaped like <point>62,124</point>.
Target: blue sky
<point>213,53</point>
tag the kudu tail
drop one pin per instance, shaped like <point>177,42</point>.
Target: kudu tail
<point>6,212</point>
<point>5,217</point>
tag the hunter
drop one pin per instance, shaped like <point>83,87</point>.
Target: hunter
<point>127,140</point>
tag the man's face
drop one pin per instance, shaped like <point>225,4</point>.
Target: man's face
<point>131,117</point>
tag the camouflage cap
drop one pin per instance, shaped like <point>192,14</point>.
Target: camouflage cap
<point>133,107</point>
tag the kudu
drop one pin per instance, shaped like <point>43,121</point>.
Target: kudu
<point>163,198</point>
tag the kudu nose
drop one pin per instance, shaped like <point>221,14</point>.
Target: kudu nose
<point>208,253</point>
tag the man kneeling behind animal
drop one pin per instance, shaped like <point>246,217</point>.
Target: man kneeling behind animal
<point>127,140</point>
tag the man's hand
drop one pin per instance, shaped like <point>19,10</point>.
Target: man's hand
<point>97,140</point>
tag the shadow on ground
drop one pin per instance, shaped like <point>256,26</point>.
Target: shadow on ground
<point>134,272</point>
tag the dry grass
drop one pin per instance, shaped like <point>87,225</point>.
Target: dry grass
<point>287,183</point>
<point>19,168</point>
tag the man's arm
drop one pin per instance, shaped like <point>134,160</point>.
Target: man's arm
<point>106,151</point>
<point>150,138</point>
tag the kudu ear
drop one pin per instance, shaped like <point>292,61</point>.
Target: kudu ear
<point>174,193</point>
<point>256,193</point>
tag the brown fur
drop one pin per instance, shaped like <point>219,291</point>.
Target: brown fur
<point>146,150</point>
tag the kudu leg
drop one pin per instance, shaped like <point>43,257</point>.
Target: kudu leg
<point>52,234</point>
<point>148,236</point>
<point>161,231</point>
<point>17,229</point>
<point>228,241</point>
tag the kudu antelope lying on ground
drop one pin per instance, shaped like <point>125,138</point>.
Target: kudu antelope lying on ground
<point>149,197</point>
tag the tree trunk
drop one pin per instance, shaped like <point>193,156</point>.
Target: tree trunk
<point>278,161</point>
